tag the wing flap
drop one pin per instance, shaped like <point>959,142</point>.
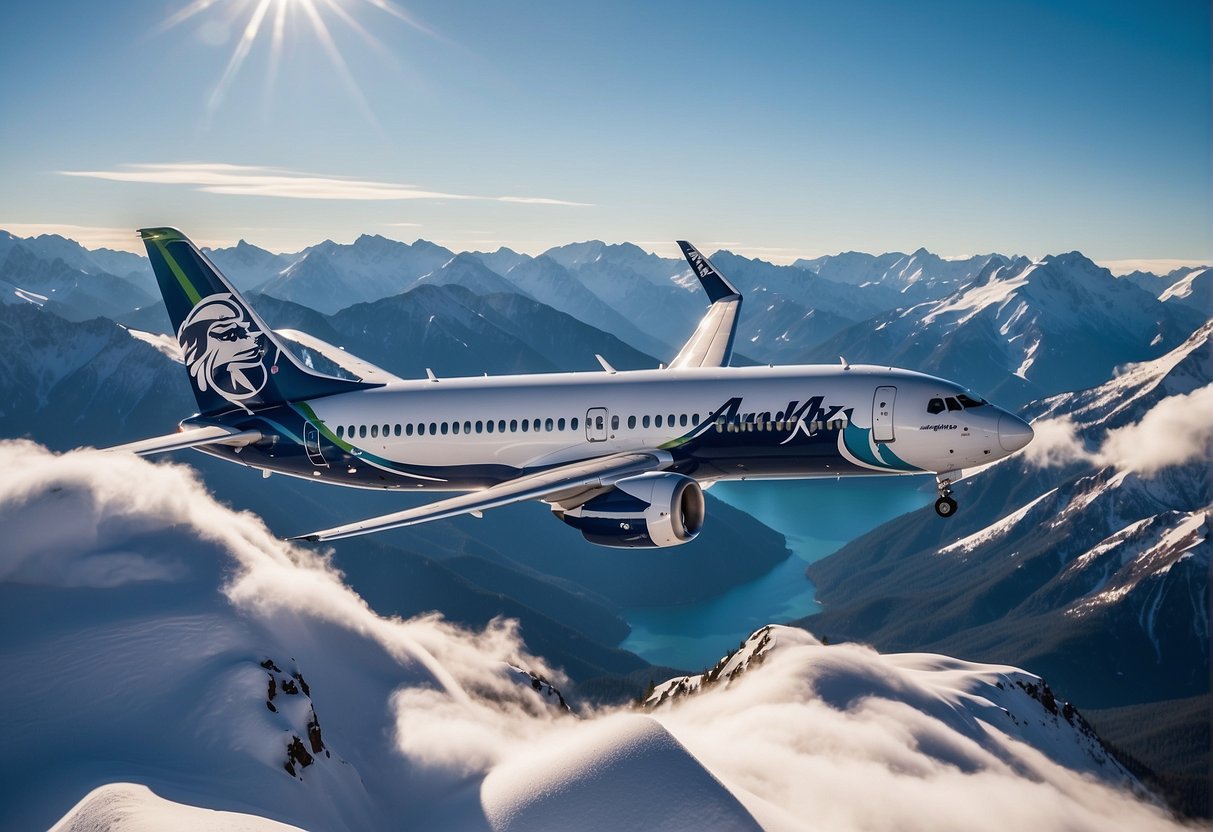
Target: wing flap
<point>363,370</point>
<point>192,438</point>
<point>562,480</point>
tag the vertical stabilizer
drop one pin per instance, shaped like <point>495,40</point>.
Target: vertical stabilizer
<point>235,361</point>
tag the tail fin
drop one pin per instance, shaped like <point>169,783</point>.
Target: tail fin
<point>235,361</point>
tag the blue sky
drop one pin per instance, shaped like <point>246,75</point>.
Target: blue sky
<point>777,130</point>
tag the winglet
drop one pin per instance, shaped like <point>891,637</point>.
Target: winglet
<point>712,343</point>
<point>714,283</point>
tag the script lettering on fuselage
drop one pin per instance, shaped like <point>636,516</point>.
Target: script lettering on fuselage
<point>798,417</point>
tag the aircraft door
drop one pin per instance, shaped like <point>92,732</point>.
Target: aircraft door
<point>596,424</point>
<point>882,414</point>
<point>311,444</point>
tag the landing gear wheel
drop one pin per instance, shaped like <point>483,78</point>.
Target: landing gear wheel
<point>945,506</point>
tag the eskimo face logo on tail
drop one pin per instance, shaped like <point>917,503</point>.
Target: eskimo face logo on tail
<point>223,350</point>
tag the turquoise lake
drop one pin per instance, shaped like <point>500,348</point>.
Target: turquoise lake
<point>817,517</point>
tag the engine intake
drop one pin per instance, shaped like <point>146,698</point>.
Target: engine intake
<point>642,512</point>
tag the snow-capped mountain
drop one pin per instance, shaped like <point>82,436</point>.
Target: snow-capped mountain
<point>1186,286</point>
<point>155,638</point>
<point>471,273</point>
<point>53,247</point>
<point>74,293</point>
<point>1191,287</point>
<point>918,276</point>
<point>68,382</point>
<point>331,276</point>
<point>249,266</point>
<point>1086,559</point>
<point>1061,323</point>
<point>546,280</point>
<point>501,260</point>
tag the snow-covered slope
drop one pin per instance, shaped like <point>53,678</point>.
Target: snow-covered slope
<point>1191,287</point>
<point>1023,330</point>
<point>154,638</point>
<point>918,276</point>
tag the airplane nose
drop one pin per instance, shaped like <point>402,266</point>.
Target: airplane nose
<point>1013,432</point>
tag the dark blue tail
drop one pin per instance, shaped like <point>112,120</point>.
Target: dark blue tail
<point>234,360</point>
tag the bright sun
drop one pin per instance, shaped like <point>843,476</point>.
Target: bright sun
<point>254,16</point>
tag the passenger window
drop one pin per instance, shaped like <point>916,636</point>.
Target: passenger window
<point>599,423</point>
<point>443,427</point>
<point>455,428</point>
<point>489,425</point>
<point>935,406</point>
<point>953,404</point>
<point>526,425</point>
<point>645,421</point>
<point>535,425</point>
<point>396,430</point>
<point>560,423</point>
<point>614,423</point>
<point>362,431</point>
<point>694,418</point>
<point>467,427</point>
<point>657,420</point>
<point>374,431</point>
<point>670,422</point>
<point>340,431</point>
<point>408,429</point>
<point>434,428</point>
<point>682,420</point>
<point>631,423</point>
<point>501,425</point>
<point>574,422</point>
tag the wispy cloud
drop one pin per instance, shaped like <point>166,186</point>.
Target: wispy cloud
<point>255,180</point>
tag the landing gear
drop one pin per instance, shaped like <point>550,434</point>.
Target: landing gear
<point>945,506</point>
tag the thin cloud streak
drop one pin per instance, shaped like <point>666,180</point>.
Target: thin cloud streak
<point>253,180</point>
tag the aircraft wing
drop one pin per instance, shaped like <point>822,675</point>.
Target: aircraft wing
<point>712,343</point>
<point>191,438</point>
<point>362,370</point>
<point>586,477</point>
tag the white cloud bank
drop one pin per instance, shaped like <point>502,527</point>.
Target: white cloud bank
<point>254,180</point>
<point>1177,430</point>
<point>117,646</point>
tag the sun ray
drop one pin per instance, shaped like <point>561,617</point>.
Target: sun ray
<point>252,17</point>
<point>196,7</point>
<point>326,41</point>
<point>239,54</point>
<point>277,36</point>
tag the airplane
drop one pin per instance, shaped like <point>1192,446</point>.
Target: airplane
<point>622,456</point>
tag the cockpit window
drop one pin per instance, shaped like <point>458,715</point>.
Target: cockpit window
<point>953,404</point>
<point>970,401</point>
<point>935,406</point>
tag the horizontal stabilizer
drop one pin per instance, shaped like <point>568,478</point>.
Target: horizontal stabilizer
<point>554,482</point>
<point>352,364</point>
<point>192,438</point>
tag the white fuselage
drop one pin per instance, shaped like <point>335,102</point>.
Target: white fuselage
<point>717,423</point>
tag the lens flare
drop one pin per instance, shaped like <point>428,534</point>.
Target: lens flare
<point>253,17</point>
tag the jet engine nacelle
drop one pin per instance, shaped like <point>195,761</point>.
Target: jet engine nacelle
<point>646,511</point>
